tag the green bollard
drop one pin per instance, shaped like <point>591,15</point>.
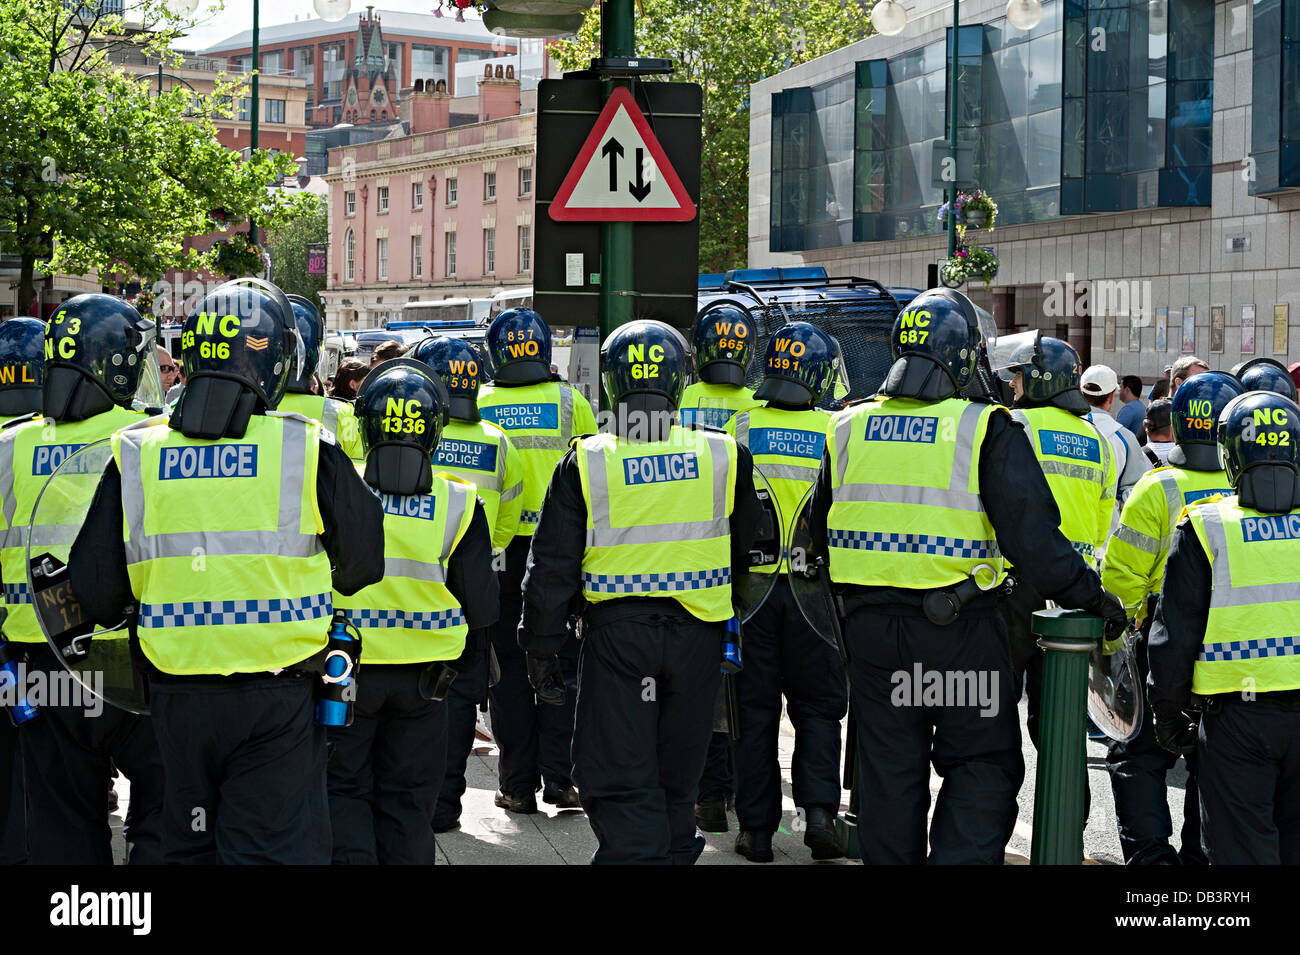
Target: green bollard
<point>1067,637</point>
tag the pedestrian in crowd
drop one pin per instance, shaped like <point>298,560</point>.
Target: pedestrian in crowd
<point>349,376</point>
<point>1161,388</point>
<point>385,351</point>
<point>1182,369</point>
<point>1131,414</point>
<point>1159,431</point>
<point>1099,385</point>
<point>167,367</point>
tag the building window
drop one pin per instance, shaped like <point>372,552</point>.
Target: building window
<point>417,195</point>
<point>428,63</point>
<point>525,248</point>
<point>350,203</point>
<point>381,259</point>
<point>451,255</point>
<point>272,63</point>
<point>489,251</point>
<point>489,186</point>
<point>274,111</point>
<point>451,191</point>
<point>245,114</point>
<point>383,198</point>
<point>349,256</point>
<point>1275,109</point>
<point>525,181</point>
<point>417,256</point>
<point>333,67</point>
<point>244,64</point>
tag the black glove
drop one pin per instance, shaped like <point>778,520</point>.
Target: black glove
<point>1106,605</point>
<point>546,679</point>
<point>1176,732</point>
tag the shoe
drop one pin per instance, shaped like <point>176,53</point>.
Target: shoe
<point>711,814</point>
<point>561,797</point>
<point>524,805</point>
<point>820,836</point>
<point>481,731</point>
<point>439,827</point>
<point>755,846</point>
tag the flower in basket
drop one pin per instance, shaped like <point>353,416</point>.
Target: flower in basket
<point>979,208</point>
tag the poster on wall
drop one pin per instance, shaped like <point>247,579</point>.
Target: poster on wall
<point>1281,316</point>
<point>1135,333</point>
<point>1109,335</point>
<point>1189,328</point>
<point>1216,328</point>
<point>1162,328</point>
<point>1248,329</point>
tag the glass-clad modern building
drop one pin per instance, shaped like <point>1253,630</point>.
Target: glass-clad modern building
<point>1121,140</point>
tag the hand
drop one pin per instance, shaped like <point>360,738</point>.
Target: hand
<point>1176,733</point>
<point>1107,606</point>
<point>545,677</point>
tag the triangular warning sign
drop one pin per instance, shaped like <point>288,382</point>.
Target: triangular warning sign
<point>621,173</point>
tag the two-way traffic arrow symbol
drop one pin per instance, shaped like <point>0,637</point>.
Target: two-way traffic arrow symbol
<point>613,149</point>
<point>640,189</point>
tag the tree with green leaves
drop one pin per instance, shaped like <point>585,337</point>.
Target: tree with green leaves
<point>288,243</point>
<point>98,170</point>
<point>725,45</point>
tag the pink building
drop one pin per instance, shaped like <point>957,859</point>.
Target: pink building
<point>444,212</point>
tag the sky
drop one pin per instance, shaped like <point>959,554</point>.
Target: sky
<point>237,15</point>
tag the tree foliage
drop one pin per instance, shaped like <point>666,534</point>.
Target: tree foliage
<point>98,171</point>
<point>726,45</point>
<point>288,243</point>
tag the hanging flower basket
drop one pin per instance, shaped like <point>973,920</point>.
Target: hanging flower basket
<point>543,8</point>
<point>237,257</point>
<point>980,209</point>
<point>967,263</point>
<point>531,26</point>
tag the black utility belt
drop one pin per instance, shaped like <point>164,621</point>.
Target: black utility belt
<point>941,606</point>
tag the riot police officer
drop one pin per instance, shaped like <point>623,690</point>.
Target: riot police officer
<point>335,415</point>
<point>385,769</point>
<point>1265,374</point>
<point>1079,465</point>
<point>97,349</point>
<point>783,654</point>
<point>22,372</point>
<point>1133,572</point>
<point>920,495</point>
<point>481,453</point>
<point>222,525</point>
<point>1224,640</point>
<point>647,525</point>
<point>541,416</point>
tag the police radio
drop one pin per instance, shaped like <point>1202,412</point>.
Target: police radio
<point>11,658</point>
<point>337,692</point>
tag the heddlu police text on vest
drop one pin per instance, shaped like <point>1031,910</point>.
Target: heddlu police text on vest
<point>515,417</point>
<point>466,454</point>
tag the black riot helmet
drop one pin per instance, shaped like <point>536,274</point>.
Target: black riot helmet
<point>1050,370</point>
<point>456,364</point>
<point>645,365</point>
<point>22,365</point>
<point>1263,374</point>
<point>519,347</point>
<point>724,335</point>
<point>311,331</point>
<point>401,409</point>
<point>1259,438</point>
<point>98,352</point>
<point>934,345</point>
<point>239,347</point>
<point>1194,418</point>
<point>801,366</point>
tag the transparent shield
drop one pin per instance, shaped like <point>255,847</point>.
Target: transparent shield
<point>1115,691</point>
<point>1002,350</point>
<point>98,658</point>
<point>149,392</point>
<point>810,580</point>
<point>751,588</point>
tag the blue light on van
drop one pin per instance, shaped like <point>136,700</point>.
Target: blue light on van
<point>431,324</point>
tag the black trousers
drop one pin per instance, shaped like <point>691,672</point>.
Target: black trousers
<point>646,687</point>
<point>467,691</point>
<point>13,821</point>
<point>1248,762</point>
<point>245,771</point>
<point>1017,612</point>
<point>719,777</point>
<point>534,739</point>
<point>1137,779</point>
<point>974,747</point>
<point>68,759</point>
<point>782,654</point>
<point>385,770</point>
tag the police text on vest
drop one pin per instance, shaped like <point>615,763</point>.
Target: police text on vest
<point>1063,444</point>
<point>408,505</point>
<point>1283,527</point>
<point>788,441</point>
<point>208,461</point>
<point>661,467</point>
<point>518,417</point>
<point>46,458</point>
<point>474,455</point>
<point>898,427</point>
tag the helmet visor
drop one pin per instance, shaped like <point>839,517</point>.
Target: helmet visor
<point>149,391</point>
<point>841,387</point>
<point>1005,351</point>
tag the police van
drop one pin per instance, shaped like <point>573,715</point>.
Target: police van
<point>408,333</point>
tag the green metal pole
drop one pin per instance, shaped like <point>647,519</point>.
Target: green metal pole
<point>257,66</point>
<point>952,131</point>
<point>617,255</point>
<point>1067,637</point>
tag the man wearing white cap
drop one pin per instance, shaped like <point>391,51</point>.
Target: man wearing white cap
<point>1099,384</point>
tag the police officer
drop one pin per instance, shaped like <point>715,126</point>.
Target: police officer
<point>481,453</point>
<point>22,372</point>
<point>648,525</point>
<point>723,344</point>
<point>385,769</point>
<point>541,415</point>
<point>335,415</point>
<point>921,493</point>
<point>1265,374</point>
<point>782,654</point>
<point>97,348</point>
<point>1224,639</point>
<point>1133,572</point>
<point>1079,465</point>
<point>222,525</point>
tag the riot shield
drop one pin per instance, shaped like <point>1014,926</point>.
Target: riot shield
<point>98,658</point>
<point>751,588</point>
<point>810,580</point>
<point>1115,691</point>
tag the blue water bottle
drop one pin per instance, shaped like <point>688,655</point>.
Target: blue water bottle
<point>338,687</point>
<point>731,647</point>
<point>11,658</point>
